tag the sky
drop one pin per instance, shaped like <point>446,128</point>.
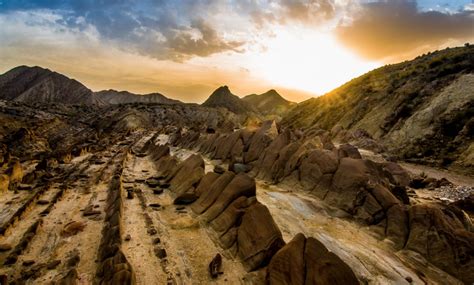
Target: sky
<point>186,49</point>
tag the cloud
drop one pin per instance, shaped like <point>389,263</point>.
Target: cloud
<point>305,12</point>
<point>156,28</point>
<point>393,30</point>
<point>184,43</point>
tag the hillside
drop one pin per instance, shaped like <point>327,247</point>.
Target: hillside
<point>421,110</point>
<point>39,85</point>
<point>123,97</point>
<point>223,98</point>
<point>269,103</point>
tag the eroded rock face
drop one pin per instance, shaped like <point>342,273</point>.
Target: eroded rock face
<point>307,261</point>
<point>258,237</point>
<point>373,193</point>
<point>439,235</point>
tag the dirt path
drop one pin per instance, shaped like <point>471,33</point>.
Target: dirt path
<point>186,243</point>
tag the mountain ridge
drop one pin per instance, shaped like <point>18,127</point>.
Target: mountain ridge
<point>112,96</point>
<point>36,84</point>
<point>421,110</point>
<point>270,102</point>
<point>223,97</point>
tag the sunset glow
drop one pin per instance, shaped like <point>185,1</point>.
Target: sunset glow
<point>183,50</point>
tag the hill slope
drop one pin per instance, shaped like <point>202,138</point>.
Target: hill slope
<point>223,98</point>
<point>39,85</point>
<point>421,109</point>
<point>269,103</point>
<point>123,97</point>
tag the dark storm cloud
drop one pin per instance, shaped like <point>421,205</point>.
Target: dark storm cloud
<point>391,28</point>
<point>161,29</point>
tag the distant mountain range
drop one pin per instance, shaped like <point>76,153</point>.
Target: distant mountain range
<point>36,84</point>
<point>123,97</point>
<point>269,103</point>
<point>39,85</point>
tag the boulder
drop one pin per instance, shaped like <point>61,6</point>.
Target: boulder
<point>284,155</point>
<point>241,185</point>
<point>437,234</point>
<point>187,175</point>
<point>185,198</point>
<point>206,182</point>
<point>232,215</point>
<point>397,226</point>
<point>215,266</point>
<point>288,265</point>
<point>260,141</point>
<point>4,182</point>
<point>324,267</point>
<point>72,228</point>
<point>348,150</point>
<point>258,237</point>
<point>351,176</point>
<point>271,153</point>
<point>210,195</point>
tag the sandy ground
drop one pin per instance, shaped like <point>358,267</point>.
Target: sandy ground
<point>186,242</point>
<point>49,244</point>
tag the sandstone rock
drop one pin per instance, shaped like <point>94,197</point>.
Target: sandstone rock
<point>185,199</point>
<point>4,182</point>
<point>270,156</point>
<point>206,182</point>
<point>442,239</point>
<point>284,155</point>
<point>239,168</point>
<point>5,247</point>
<point>288,264</point>
<point>231,215</point>
<point>350,177</point>
<point>72,228</point>
<point>219,169</point>
<point>209,196</point>
<point>258,237</point>
<point>397,225</point>
<point>215,266</point>
<point>347,150</point>
<point>324,267</point>
<point>188,174</point>
<point>241,185</point>
<point>260,140</point>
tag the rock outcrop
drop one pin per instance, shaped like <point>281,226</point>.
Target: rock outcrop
<point>373,193</point>
<point>245,228</point>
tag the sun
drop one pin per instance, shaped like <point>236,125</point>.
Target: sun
<point>308,60</point>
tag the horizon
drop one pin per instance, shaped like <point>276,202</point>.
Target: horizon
<point>302,49</point>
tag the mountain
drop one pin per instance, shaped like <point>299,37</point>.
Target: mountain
<point>36,84</point>
<point>422,110</point>
<point>122,97</point>
<point>269,103</point>
<point>223,98</point>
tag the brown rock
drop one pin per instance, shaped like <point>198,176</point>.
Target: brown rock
<point>348,150</point>
<point>206,182</point>
<point>324,267</point>
<point>210,195</point>
<point>215,266</point>
<point>258,237</point>
<point>437,234</point>
<point>241,185</point>
<point>288,265</point>
<point>72,228</point>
